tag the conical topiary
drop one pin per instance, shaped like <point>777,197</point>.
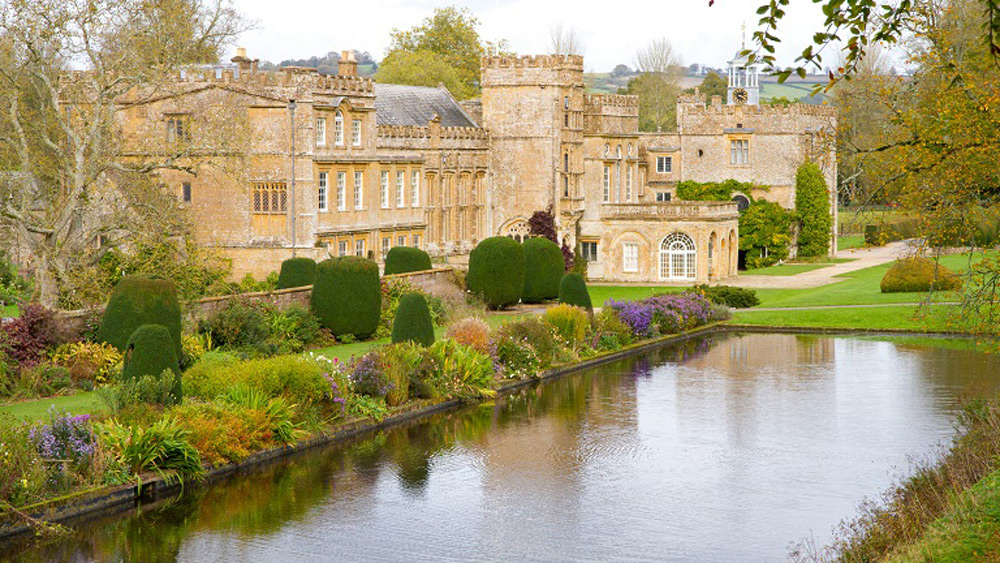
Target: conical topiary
<point>347,296</point>
<point>404,259</point>
<point>149,353</point>
<point>544,266</point>
<point>573,291</point>
<point>413,321</point>
<point>496,271</point>
<point>139,300</point>
<point>297,272</point>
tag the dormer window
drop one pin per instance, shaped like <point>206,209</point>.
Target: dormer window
<point>338,129</point>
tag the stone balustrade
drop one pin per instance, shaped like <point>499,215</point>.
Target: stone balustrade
<point>676,210</point>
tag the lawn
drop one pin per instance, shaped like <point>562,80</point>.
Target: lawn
<point>878,318</point>
<point>784,269</point>
<point>849,242</point>
<point>599,294</point>
<point>80,403</point>
<point>9,311</point>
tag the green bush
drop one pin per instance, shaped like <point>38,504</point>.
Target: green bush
<point>573,291</point>
<point>347,296</point>
<point>812,204</point>
<point>465,372</point>
<point>496,271</point>
<point>413,321</point>
<point>296,378</point>
<point>403,259</point>
<point>610,332</point>
<point>162,447</point>
<point>544,266</point>
<point>534,332</point>
<point>736,297</point>
<point>919,274</point>
<point>257,328</point>
<point>399,363</point>
<point>297,272</point>
<point>568,321</point>
<point>140,300</point>
<point>144,390</point>
<point>764,233</point>
<point>149,353</point>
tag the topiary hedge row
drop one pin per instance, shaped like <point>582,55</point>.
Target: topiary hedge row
<point>543,270</point>
<point>413,321</point>
<point>404,259</point>
<point>573,291</point>
<point>297,272</point>
<point>347,296</point>
<point>141,300</point>
<point>919,274</point>
<point>496,271</point>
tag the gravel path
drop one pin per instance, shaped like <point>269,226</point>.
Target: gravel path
<point>862,258</point>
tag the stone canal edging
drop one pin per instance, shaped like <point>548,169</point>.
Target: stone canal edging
<point>104,501</point>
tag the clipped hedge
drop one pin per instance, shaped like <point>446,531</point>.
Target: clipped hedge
<point>573,291</point>
<point>496,271</point>
<point>297,272</point>
<point>730,296</point>
<point>919,274</point>
<point>413,321</point>
<point>544,266</point>
<point>149,352</point>
<point>812,204</point>
<point>403,259</point>
<point>347,296</point>
<point>140,300</point>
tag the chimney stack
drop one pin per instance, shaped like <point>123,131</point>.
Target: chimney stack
<point>242,62</point>
<point>347,66</point>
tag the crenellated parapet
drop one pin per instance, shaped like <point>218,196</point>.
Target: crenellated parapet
<point>693,106</point>
<point>597,101</point>
<point>415,132</point>
<point>533,61</point>
<point>289,77</point>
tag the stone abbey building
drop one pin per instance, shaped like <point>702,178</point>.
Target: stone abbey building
<point>382,165</point>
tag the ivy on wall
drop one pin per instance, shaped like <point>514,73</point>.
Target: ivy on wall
<point>812,204</point>
<point>715,191</point>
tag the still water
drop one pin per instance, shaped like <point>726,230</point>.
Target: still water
<point>726,448</point>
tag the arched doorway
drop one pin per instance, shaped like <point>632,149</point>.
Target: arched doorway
<point>678,259</point>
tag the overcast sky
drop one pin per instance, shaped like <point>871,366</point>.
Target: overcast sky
<point>612,30</point>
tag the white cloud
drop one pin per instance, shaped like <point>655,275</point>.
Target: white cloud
<point>612,31</point>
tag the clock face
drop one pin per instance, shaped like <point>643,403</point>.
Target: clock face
<point>740,96</point>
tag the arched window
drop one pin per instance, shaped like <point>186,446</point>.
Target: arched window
<point>677,258</point>
<point>338,129</point>
<point>742,201</point>
<point>518,230</point>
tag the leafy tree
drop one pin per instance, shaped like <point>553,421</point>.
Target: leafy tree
<point>620,70</point>
<point>714,85</point>
<point>764,233</point>
<point>423,68</point>
<point>657,86</point>
<point>812,204</point>
<point>450,34</point>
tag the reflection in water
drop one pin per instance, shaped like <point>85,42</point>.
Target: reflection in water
<point>726,449</point>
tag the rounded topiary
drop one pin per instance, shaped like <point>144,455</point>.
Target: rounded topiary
<point>919,274</point>
<point>140,300</point>
<point>347,296</point>
<point>297,272</point>
<point>149,352</point>
<point>544,266</point>
<point>403,259</point>
<point>413,321</point>
<point>496,271</point>
<point>573,291</point>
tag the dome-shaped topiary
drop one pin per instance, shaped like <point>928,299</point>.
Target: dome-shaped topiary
<point>297,272</point>
<point>496,271</point>
<point>919,274</point>
<point>413,321</point>
<point>140,300</point>
<point>149,353</point>
<point>347,296</point>
<point>544,266</point>
<point>573,291</point>
<point>403,259</point>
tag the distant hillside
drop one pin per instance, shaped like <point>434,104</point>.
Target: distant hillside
<point>796,89</point>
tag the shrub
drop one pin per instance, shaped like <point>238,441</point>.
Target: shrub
<point>367,377</point>
<point>222,433</point>
<point>764,233</point>
<point>399,362</point>
<point>279,412</point>
<point>95,362</point>
<point>26,338</point>
<point>534,332</point>
<point>678,312</point>
<point>347,296</point>
<point>736,297</point>
<point>403,259</point>
<point>143,390</point>
<point>22,474</point>
<point>543,270</point>
<point>150,352</point>
<point>569,322</point>
<point>471,331</point>
<point>812,204</point>
<point>919,274</point>
<point>464,372</point>
<point>609,332</point>
<point>140,300</point>
<point>637,315</point>
<point>241,323</point>
<point>35,381</point>
<point>297,378</point>
<point>291,329</point>
<point>413,321</point>
<point>496,271</point>
<point>162,447</point>
<point>573,291</point>
<point>515,359</point>
<point>297,272</point>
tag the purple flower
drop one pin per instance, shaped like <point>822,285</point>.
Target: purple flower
<point>65,437</point>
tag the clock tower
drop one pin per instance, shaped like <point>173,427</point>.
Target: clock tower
<point>744,82</point>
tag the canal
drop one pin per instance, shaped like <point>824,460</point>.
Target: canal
<point>722,448</point>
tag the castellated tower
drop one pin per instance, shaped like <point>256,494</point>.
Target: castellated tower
<point>533,107</point>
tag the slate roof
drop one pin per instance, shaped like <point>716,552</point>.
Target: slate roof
<point>396,104</point>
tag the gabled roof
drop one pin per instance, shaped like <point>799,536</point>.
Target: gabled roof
<point>396,104</point>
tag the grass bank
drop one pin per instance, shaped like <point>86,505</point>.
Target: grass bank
<point>899,317</point>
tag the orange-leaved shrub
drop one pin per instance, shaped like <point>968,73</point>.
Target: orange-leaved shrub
<point>472,332</point>
<point>919,274</point>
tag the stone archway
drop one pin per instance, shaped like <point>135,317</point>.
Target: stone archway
<point>678,257</point>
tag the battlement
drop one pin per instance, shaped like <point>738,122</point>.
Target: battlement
<point>289,77</point>
<point>575,62</point>
<point>694,106</point>
<point>597,101</point>
<point>421,132</point>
